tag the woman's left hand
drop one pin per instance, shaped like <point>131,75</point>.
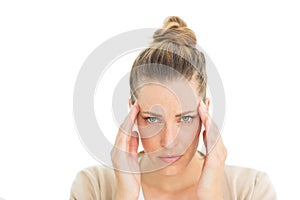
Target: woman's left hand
<point>210,183</point>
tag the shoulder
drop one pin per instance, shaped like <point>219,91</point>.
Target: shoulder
<point>247,183</point>
<point>94,182</point>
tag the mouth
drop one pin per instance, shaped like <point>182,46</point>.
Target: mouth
<point>170,159</point>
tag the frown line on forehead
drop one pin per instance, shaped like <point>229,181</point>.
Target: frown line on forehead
<point>177,115</point>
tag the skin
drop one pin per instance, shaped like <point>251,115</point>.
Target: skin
<point>189,177</point>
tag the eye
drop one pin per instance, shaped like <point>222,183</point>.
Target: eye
<point>186,118</point>
<point>152,119</point>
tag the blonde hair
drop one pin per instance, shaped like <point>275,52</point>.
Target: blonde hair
<point>173,51</point>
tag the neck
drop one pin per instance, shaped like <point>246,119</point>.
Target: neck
<point>183,180</point>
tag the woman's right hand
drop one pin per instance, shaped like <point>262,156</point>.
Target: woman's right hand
<point>124,157</point>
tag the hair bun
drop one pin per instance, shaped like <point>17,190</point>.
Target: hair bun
<point>173,22</point>
<point>175,30</point>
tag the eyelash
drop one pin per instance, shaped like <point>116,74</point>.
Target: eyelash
<point>158,121</point>
<point>147,119</point>
<point>190,117</point>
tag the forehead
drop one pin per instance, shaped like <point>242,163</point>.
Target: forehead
<point>174,96</point>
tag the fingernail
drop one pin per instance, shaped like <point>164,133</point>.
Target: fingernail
<point>136,105</point>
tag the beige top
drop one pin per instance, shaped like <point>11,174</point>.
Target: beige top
<point>98,182</point>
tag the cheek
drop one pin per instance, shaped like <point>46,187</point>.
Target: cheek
<point>147,130</point>
<point>150,135</point>
<point>189,134</point>
<point>151,144</point>
<point>150,131</point>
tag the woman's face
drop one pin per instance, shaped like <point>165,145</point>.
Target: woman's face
<point>169,124</point>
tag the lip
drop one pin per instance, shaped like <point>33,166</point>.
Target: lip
<point>170,159</point>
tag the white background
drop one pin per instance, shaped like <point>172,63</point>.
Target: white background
<point>254,44</point>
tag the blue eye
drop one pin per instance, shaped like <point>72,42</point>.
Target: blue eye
<point>152,119</point>
<point>186,119</point>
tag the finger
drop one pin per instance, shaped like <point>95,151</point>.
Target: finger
<point>130,119</point>
<point>124,134</point>
<point>134,142</point>
<point>204,115</point>
<point>211,133</point>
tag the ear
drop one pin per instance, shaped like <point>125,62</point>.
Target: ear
<point>207,103</point>
<point>130,103</point>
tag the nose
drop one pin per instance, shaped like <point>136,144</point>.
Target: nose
<point>169,135</point>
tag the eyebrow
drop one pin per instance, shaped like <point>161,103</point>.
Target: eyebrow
<point>178,115</point>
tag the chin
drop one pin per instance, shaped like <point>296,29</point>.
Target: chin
<point>173,169</point>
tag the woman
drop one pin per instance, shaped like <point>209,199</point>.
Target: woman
<point>169,106</point>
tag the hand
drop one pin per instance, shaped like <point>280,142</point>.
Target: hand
<point>125,158</point>
<point>210,183</point>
